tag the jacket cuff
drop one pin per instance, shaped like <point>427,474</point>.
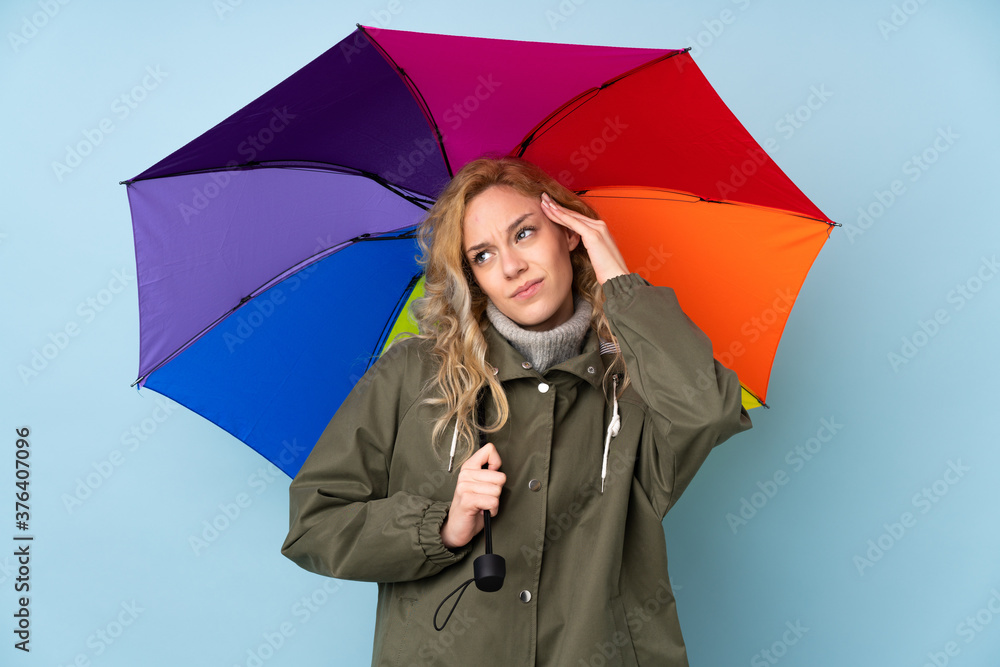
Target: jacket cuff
<point>623,286</point>
<point>429,534</point>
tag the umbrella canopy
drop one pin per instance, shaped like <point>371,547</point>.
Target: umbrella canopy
<point>275,252</point>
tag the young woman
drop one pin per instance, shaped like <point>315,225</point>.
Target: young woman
<point>602,401</point>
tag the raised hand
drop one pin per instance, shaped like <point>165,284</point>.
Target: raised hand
<point>604,254</point>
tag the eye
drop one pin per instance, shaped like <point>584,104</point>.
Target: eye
<point>524,232</point>
<point>481,257</point>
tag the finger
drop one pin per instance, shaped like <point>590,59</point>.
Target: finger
<point>486,502</point>
<point>491,487</point>
<point>605,256</point>
<point>475,460</point>
<point>485,455</point>
<point>482,476</point>
<point>493,461</point>
<point>471,504</point>
<point>592,231</point>
<point>564,216</point>
<point>569,215</point>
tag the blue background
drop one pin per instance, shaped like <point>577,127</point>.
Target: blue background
<point>123,481</point>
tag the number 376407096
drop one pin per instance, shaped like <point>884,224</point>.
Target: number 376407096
<point>22,471</point>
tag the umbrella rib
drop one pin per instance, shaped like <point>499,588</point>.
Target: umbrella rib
<point>304,264</point>
<point>413,199</point>
<point>397,235</point>
<point>637,68</point>
<point>418,96</point>
<point>829,223</point>
<point>210,170</point>
<point>538,132</point>
<point>188,342</point>
<point>417,199</point>
<point>755,397</point>
<point>393,316</point>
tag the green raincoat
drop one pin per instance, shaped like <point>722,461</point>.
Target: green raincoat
<point>587,576</point>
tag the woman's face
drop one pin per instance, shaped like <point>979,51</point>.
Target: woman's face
<point>519,257</point>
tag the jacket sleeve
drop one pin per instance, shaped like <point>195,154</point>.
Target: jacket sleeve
<point>343,522</point>
<point>693,402</point>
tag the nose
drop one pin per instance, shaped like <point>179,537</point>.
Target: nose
<point>512,262</point>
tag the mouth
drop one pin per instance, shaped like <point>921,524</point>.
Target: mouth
<point>527,290</point>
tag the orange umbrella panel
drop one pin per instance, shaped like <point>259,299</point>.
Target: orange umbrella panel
<point>736,269</point>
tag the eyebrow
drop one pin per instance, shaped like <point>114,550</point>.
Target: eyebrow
<point>510,228</point>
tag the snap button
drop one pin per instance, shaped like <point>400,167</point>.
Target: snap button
<point>526,364</point>
<point>590,369</point>
<point>525,596</point>
<point>542,387</point>
<point>534,485</point>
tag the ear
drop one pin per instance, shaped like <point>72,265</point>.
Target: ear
<point>572,238</point>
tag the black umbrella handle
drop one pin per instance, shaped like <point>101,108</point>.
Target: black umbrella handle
<point>488,530</point>
<point>490,568</point>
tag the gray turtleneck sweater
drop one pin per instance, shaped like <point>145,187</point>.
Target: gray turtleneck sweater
<point>545,349</point>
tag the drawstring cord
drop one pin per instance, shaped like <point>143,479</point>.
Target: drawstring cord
<point>461,588</point>
<point>454,441</point>
<point>613,427</point>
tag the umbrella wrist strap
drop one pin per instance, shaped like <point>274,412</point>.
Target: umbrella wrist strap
<point>461,591</point>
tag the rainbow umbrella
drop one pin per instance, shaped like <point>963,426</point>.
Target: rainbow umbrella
<point>275,253</point>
